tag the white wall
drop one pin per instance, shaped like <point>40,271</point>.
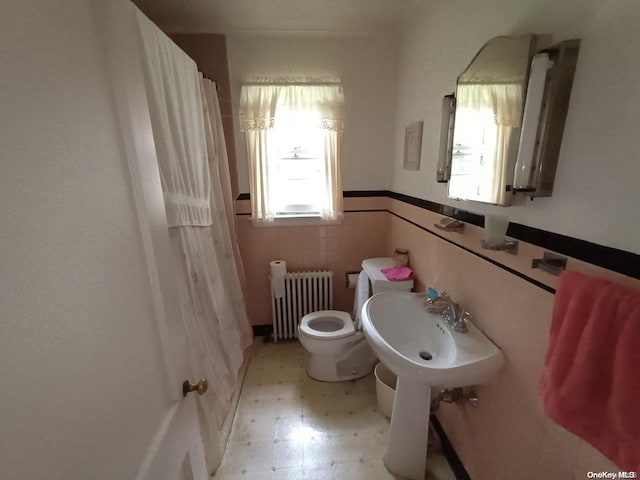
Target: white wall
<point>597,189</point>
<point>367,69</point>
<point>77,332</point>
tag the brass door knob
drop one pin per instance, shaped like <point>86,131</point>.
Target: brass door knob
<point>200,387</point>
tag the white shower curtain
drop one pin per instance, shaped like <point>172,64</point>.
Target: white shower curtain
<point>195,180</point>
<point>219,166</point>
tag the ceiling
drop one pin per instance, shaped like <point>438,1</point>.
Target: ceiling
<point>295,17</point>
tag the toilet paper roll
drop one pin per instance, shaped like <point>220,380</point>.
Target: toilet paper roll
<point>352,279</point>
<point>278,269</point>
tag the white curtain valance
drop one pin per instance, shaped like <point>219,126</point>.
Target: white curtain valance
<point>175,105</point>
<point>479,104</point>
<point>504,100</point>
<point>262,105</point>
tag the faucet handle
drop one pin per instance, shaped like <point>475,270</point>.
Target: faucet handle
<point>462,322</point>
<point>441,296</point>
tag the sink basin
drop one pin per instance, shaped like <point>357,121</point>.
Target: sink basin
<point>423,351</point>
<point>420,345</point>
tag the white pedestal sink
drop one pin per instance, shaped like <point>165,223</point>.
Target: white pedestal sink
<point>423,351</point>
<point>407,451</point>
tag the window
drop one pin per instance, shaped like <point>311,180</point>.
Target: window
<point>293,142</point>
<point>474,155</point>
<point>485,141</point>
<point>295,167</point>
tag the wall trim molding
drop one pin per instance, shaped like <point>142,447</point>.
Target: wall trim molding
<point>456,465</point>
<point>365,193</point>
<point>620,261</point>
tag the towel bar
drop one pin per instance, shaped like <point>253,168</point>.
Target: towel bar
<point>551,263</point>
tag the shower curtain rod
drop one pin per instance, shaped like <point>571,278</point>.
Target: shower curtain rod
<point>211,80</point>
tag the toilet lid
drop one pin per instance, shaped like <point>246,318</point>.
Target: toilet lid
<point>327,325</point>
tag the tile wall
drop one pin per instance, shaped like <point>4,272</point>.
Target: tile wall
<point>340,247</point>
<point>508,436</point>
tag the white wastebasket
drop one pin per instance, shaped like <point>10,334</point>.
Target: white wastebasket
<point>385,389</point>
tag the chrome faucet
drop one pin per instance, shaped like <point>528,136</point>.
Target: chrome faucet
<point>450,311</point>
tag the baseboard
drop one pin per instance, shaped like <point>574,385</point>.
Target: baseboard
<point>265,331</point>
<point>449,452</point>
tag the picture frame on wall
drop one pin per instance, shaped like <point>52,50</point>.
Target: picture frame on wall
<point>412,146</point>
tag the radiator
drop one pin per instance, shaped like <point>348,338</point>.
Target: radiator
<point>304,292</point>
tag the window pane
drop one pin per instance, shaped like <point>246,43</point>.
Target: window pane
<point>295,173</point>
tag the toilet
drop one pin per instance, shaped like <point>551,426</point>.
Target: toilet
<point>335,340</point>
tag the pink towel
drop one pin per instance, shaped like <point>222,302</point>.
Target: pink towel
<point>591,380</point>
<point>397,273</point>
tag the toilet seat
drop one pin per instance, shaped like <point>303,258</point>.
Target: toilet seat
<point>327,325</point>
<point>337,346</point>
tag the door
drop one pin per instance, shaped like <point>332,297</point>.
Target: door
<point>176,451</point>
<point>92,355</point>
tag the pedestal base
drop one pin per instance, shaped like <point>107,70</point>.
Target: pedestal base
<point>407,452</point>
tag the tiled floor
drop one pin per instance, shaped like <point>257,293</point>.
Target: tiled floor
<point>289,426</point>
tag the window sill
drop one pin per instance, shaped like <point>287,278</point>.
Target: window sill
<point>297,221</point>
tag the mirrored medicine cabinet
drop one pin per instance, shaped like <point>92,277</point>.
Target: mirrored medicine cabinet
<point>502,129</point>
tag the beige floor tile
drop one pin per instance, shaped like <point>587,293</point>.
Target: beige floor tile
<point>365,385</point>
<point>363,470</point>
<point>313,388</point>
<point>368,420</point>
<point>324,404</point>
<point>253,429</point>
<point>257,475</point>
<point>277,391</point>
<point>344,448</point>
<point>259,376</point>
<point>295,429</point>
<point>329,425</point>
<point>291,427</point>
<point>319,452</point>
<point>371,445</point>
<point>247,457</point>
<point>283,407</point>
<point>288,454</point>
<point>304,474</point>
<point>361,402</point>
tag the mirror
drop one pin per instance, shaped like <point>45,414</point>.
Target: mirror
<point>490,97</point>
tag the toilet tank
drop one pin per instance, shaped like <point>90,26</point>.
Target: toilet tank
<point>378,281</point>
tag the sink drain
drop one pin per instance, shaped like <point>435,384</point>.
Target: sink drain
<point>425,355</point>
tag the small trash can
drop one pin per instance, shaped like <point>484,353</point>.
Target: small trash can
<point>385,389</point>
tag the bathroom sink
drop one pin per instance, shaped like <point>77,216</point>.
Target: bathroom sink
<point>420,345</point>
<point>424,352</point>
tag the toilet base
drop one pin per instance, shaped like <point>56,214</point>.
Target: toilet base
<point>357,362</point>
<point>326,370</point>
